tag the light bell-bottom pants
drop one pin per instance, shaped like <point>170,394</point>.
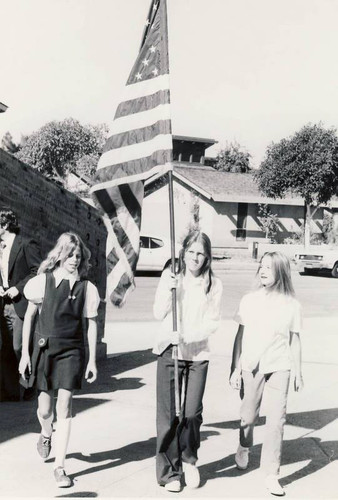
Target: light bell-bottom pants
<point>275,388</point>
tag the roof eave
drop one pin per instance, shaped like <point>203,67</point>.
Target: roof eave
<point>3,107</point>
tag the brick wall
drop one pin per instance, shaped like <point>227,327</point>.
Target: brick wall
<point>45,210</point>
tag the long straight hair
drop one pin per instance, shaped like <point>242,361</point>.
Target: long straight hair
<point>65,246</point>
<point>281,269</point>
<point>205,271</point>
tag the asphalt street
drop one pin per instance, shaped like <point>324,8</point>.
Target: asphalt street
<point>317,294</point>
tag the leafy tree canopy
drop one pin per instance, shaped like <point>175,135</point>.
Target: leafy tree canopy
<point>305,164</point>
<point>57,147</point>
<point>233,158</point>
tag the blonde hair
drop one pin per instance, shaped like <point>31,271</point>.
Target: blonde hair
<point>281,269</point>
<point>65,246</point>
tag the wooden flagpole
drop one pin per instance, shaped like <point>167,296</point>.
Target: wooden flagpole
<point>173,290</point>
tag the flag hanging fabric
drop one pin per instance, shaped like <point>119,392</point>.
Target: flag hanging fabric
<point>139,146</point>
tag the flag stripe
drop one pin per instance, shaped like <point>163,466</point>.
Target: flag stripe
<point>133,171</point>
<point>112,259</point>
<point>120,290</point>
<point>142,103</point>
<point>132,168</point>
<point>137,189</point>
<point>136,151</point>
<point>105,202</point>
<point>138,135</point>
<point>108,205</point>
<point>140,120</point>
<point>125,244</point>
<point>131,202</point>
<point>128,211</point>
<point>145,87</point>
<point>122,264</point>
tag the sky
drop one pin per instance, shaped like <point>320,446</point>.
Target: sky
<point>251,71</point>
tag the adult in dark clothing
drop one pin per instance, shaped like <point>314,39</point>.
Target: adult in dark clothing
<point>19,261</point>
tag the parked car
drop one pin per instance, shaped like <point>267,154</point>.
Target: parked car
<point>155,253</point>
<point>322,258</point>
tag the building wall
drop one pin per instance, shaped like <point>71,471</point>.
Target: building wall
<point>155,212</point>
<point>220,220</point>
<point>45,210</point>
<point>290,221</point>
<point>225,224</point>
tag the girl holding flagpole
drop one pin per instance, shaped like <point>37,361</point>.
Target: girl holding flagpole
<point>198,315</point>
<point>62,297</point>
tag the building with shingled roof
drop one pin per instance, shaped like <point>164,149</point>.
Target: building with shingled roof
<point>226,203</point>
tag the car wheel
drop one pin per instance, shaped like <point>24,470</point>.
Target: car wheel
<point>334,271</point>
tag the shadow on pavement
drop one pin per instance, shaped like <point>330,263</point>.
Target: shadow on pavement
<point>108,368</point>
<point>313,420</point>
<point>319,454</point>
<point>19,418</point>
<point>313,450</point>
<point>78,494</point>
<point>132,452</point>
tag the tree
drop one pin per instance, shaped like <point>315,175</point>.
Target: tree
<point>305,164</point>
<point>330,230</point>
<point>268,221</point>
<point>194,224</point>
<point>233,158</point>
<point>57,147</point>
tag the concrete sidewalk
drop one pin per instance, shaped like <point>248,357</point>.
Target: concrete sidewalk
<point>111,452</point>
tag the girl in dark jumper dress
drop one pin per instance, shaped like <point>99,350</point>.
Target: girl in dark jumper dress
<point>64,301</point>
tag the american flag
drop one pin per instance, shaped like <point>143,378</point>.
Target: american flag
<point>139,146</point>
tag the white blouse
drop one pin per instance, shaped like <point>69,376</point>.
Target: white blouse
<point>268,319</point>
<point>34,290</point>
<point>198,315</point>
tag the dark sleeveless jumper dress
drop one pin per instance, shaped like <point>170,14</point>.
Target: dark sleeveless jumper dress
<point>58,355</point>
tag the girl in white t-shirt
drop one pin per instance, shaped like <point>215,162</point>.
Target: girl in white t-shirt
<point>198,306</point>
<point>266,347</point>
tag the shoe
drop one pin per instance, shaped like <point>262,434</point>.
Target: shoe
<point>61,478</point>
<point>272,484</point>
<point>191,475</point>
<point>174,486</point>
<point>242,457</point>
<point>44,446</point>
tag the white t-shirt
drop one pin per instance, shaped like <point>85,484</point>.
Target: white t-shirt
<point>34,291</point>
<point>268,318</point>
<point>198,315</point>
